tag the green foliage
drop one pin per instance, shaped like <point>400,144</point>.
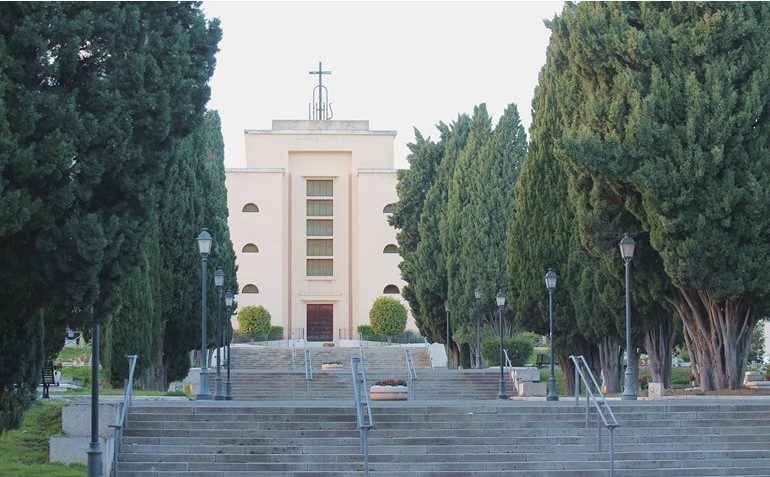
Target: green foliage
<point>668,136</point>
<point>387,316</point>
<point>275,333</point>
<point>254,321</point>
<point>365,332</point>
<point>519,350</point>
<point>13,403</point>
<point>24,452</point>
<point>95,97</point>
<point>757,350</point>
<point>530,337</point>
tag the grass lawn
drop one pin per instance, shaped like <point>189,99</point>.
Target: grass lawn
<point>24,451</point>
<point>70,354</point>
<point>680,379</point>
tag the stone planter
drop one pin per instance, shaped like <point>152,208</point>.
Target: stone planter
<point>389,393</point>
<point>328,366</point>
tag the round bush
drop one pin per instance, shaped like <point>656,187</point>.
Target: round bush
<point>387,316</point>
<point>254,321</point>
<point>519,349</point>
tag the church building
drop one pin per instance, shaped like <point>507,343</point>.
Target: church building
<point>308,219</point>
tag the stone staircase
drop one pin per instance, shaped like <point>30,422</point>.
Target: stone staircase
<point>450,438</point>
<point>280,358</point>
<point>337,384</point>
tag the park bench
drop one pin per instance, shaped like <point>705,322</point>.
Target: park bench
<point>48,378</point>
<point>540,361</point>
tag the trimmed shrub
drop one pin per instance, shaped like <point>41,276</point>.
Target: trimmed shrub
<point>533,338</point>
<point>13,403</point>
<point>254,321</point>
<point>519,349</point>
<point>387,316</point>
<point>276,333</point>
<point>365,332</point>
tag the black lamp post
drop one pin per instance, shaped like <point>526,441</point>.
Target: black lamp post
<point>204,247</point>
<point>550,284</point>
<point>219,282</point>
<point>500,298</point>
<point>448,349</point>
<point>627,245</point>
<point>95,447</point>
<point>477,294</point>
<point>229,304</point>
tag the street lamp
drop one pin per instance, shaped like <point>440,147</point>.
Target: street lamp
<point>95,447</point>
<point>204,247</point>
<point>219,282</point>
<point>229,304</point>
<point>500,298</point>
<point>477,294</point>
<point>550,284</point>
<point>448,350</point>
<point>627,252</point>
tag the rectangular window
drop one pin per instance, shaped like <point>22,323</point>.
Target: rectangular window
<point>319,208</point>
<point>320,188</point>
<point>319,228</point>
<point>319,248</point>
<point>317,267</point>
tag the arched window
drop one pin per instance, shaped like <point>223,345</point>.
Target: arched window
<point>250,248</point>
<point>390,248</point>
<point>250,207</point>
<point>391,290</point>
<point>250,289</point>
<point>389,209</point>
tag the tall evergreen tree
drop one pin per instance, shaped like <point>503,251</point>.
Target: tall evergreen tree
<point>412,188</point>
<point>542,234</point>
<point>676,119</point>
<point>430,284</point>
<point>94,97</point>
<point>480,208</point>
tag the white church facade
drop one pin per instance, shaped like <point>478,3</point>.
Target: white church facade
<point>308,219</point>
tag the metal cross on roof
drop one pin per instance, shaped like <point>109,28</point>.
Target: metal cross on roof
<point>320,108</point>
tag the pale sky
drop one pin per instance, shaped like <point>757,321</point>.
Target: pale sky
<point>398,65</point>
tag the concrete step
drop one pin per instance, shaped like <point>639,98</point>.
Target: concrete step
<point>444,438</point>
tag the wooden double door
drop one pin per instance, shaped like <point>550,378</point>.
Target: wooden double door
<point>320,322</point>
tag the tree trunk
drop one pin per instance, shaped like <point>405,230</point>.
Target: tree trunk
<point>579,347</point>
<point>156,376</point>
<point>609,362</point>
<point>718,334</point>
<point>659,343</point>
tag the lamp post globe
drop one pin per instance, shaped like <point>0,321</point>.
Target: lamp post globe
<point>219,282</point>
<point>204,247</point>
<point>477,295</point>
<point>229,311</point>
<point>500,299</point>
<point>627,245</point>
<point>550,284</point>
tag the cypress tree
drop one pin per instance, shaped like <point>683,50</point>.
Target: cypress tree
<point>430,284</point>
<point>676,121</point>
<point>412,187</point>
<point>93,98</point>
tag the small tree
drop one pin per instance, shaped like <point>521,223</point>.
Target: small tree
<point>387,316</point>
<point>254,321</point>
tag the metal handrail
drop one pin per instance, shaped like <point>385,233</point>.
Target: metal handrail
<point>603,409</point>
<point>120,419</point>
<point>308,365</point>
<point>363,407</point>
<point>507,359</point>
<point>411,372</point>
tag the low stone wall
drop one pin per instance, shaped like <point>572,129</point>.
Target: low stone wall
<point>76,422</point>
